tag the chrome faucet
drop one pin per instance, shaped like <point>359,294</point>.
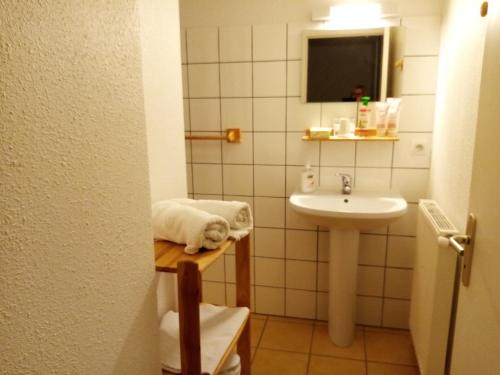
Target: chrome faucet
<point>346,182</point>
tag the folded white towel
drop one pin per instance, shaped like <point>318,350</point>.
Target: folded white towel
<point>218,326</point>
<point>238,214</point>
<point>187,225</point>
<point>232,366</point>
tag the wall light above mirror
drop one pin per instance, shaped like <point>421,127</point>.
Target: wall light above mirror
<point>365,12</point>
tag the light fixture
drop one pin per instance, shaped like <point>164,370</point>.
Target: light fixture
<point>359,11</point>
<point>356,14</point>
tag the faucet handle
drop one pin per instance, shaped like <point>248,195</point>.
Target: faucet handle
<point>345,176</point>
<point>346,182</point>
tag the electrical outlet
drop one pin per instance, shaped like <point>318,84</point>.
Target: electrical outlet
<point>419,147</point>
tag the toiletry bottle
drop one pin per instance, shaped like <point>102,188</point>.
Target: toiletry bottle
<point>380,118</point>
<point>392,118</point>
<point>352,127</point>
<point>344,127</point>
<point>308,180</point>
<point>364,113</point>
<point>336,127</point>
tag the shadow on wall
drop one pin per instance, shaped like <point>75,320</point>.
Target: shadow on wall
<point>166,293</point>
<point>133,365</point>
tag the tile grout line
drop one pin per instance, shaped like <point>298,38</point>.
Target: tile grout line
<point>316,300</point>
<point>286,149</point>
<point>319,292</point>
<point>190,113</point>
<point>338,357</point>
<point>253,167</point>
<point>226,296</point>
<point>356,147</point>
<point>309,354</point>
<point>393,364</point>
<point>244,61</point>
<point>405,132</point>
<point>364,349</point>
<point>316,308</point>
<point>257,346</point>
<point>382,306</point>
<point>299,165</point>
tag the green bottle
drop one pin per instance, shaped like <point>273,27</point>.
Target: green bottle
<point>364,114</point>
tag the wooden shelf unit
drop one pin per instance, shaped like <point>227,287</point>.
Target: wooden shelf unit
<point>171,258</point>
<point>355,138</point>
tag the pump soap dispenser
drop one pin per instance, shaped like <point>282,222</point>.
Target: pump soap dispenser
<point>308,180</point>
<point>364,127</point>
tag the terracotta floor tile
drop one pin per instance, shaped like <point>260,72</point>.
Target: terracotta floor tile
<point>337,366</point>
<point>323,345</point>
<point>386,369</point>
<point>258,316</point>
<point>252,352</point>
<point>394,331</point>
<point>287,336</point>
<point>291,320</point>
<point>275,362</point>
<point>389,348</point>
<point>256,328</point>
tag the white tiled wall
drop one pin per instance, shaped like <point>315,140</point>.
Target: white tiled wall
<point>249,77</point>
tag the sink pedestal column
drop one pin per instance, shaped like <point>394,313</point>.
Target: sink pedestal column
<point>343,275</point>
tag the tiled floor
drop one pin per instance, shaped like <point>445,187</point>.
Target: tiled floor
<point>284,346</point>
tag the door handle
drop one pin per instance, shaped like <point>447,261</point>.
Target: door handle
<point>458,241</point>
<point>463,244</point>
<point>469,249</point>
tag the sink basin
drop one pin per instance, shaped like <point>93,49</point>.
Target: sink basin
<point>359,210</point>
<point>345,216</point>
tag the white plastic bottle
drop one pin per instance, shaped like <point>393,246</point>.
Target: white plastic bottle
<point>308,180</point>
<point>380,118</point>
<point>392,118</point>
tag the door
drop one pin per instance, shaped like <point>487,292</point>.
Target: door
<point>476,347</point>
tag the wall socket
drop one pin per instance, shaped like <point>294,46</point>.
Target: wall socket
<point>419,147</point>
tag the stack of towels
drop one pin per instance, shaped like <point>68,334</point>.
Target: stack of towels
<point>218,325</point>
<point>201,223</point>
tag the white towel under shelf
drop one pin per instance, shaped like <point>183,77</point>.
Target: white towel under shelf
<point>218,327</point>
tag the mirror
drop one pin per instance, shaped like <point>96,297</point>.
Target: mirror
<point>344,65</point>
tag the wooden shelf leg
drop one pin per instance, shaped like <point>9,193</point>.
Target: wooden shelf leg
<point>200,283</point>
<point>243,299</point>
<point>189,290</point>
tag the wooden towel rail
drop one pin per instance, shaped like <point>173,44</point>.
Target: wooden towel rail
<point>232,136</point>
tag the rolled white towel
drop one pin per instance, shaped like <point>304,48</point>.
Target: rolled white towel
<point>187,225</point>
<point>238,214</point>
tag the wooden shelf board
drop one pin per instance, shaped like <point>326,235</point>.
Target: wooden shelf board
<point>355,138</point>
<point>232,346</point>
<point>230,349</point>
<point>169,254</point>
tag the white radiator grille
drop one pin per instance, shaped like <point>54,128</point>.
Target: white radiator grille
<point>437,218</point>
<point>432,288</point>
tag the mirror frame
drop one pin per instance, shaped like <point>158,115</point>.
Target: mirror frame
<point>326,34</point>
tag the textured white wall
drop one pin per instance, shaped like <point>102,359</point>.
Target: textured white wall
<point>237,12</point>
<point>77,291</point>
<point>161,58</point>
<point>457,98</point>
<point>162,81</point>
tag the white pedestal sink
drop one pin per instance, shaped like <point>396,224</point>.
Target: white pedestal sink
<point>346,215</point>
